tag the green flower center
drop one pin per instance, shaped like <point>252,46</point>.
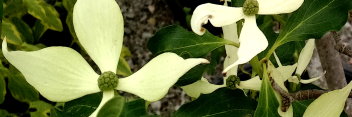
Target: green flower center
<point>250,7</point>
<point>107,81</point>
<point>232,81</point>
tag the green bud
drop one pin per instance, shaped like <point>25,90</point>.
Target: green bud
<point>250,7</point>
<point>232,81</point>
<point>107,81</point>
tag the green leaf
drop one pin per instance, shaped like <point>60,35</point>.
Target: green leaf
<point>11,33</point>
<point>3,74</point>
<point>4,113</point>
<point>2,87</point>
<point>112,108</point>
<point>46,13</point>
<point>14,8</point>
<point>267,103</point>
<point>81,107</point>
<point>313,19</point>
<point>39,109</point>
<point>69,4</point>
<point>24,29</point>
<point>19,87</point>
<point>184,43</point>
<point>134,108</point>
<point>69,22</point>
<point>221,103</point>
<point>123,68</point>
<point>299,107</point>
<point>38,30</point>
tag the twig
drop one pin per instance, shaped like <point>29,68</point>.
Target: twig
<point>288,98</point>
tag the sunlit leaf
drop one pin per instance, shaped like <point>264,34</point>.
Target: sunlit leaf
<point>24,29</point>
<point>123,68</point>
<point>19,87</point>
<point>11,33</point>
<point>46,13</point>
<point>39,109</point>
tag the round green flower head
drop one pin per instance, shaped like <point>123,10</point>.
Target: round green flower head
<point>250,7</point>
<point>107,81</point>
<point>232,81</point>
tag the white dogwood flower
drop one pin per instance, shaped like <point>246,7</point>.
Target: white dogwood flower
<point>61,74</point>
<point>252,40</point>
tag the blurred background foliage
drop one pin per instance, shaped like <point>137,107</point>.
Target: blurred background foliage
<point>30,25</point>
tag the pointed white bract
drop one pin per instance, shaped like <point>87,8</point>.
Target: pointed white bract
<point>154,80</point>
<point>268,7</point>
<point>330,104</point>
<point>305,56</point>
<point>60,74</point>
<point>202,86</point>
<point>218,15</point>
<point>230,33</point>
<point>252,40</point>
<point>99,28</point>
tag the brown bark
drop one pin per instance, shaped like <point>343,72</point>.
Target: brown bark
<point>331,62</point>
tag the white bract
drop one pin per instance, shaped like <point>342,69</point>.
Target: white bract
<point>252,40</point>
<point>61,74</point>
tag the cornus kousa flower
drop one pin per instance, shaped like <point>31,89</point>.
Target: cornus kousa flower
<point>252,40</point>
<point>61,74</point>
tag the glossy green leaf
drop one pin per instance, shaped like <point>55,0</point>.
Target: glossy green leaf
<point>267,102</point>
<point>299,107</point>
<point>39,109</point>
<point>184,43</point>
<point>11,33</point>
<point>134,108</point>
<point>82,107</point>
<point>46,13</point>
<point>221,103</point>
<point>19,87</point>
<point>112,108</point>
<point>24,29</point>
<point>192,75</point>
<point>314,18</point>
